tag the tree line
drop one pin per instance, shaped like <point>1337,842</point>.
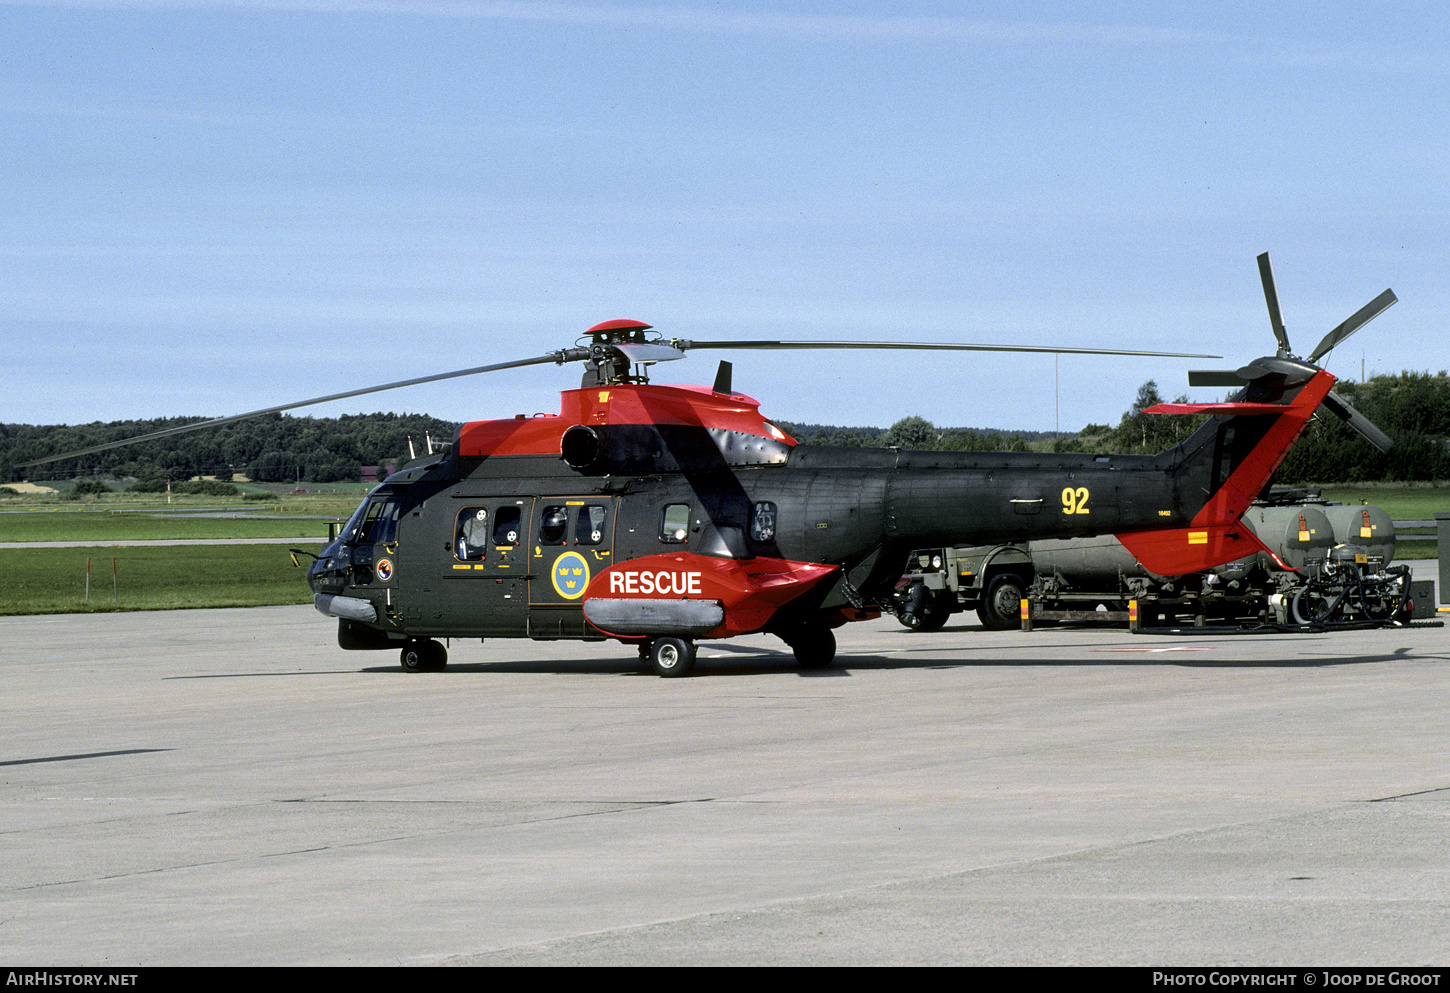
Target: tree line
<point>1413,408</point>
<point>274,448</point>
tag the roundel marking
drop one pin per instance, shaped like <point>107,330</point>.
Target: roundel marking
<point>570,575</point>
<point>384,569</point>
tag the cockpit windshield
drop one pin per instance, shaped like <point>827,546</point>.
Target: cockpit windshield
<point>375,522</point>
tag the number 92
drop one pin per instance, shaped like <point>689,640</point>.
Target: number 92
<point>1075,501</point>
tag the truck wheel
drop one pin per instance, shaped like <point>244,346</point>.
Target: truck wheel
<point>1001,606</point>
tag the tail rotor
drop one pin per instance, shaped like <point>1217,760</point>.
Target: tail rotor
<point>1284,369</point>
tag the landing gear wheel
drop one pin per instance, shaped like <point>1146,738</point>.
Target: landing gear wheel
<point>423,656</point>
<point>814,647</point>
<point>924,611</point>
<point>1001,606</point>
<point>671,656</point>
<point>933,618</point>
<point>1382,602</point>
<point>1314,604</point>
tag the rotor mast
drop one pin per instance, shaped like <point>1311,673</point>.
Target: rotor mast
<point>615,346</point>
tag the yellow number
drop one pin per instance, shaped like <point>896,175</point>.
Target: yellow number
<point>1075,501</point>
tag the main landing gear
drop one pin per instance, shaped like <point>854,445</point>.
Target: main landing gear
<point>669,656</point>
<point>814,647</point>
<point>423,656</point>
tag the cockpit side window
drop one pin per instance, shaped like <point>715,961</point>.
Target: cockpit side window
<point>379,525</point>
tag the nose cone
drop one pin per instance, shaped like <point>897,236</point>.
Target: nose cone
<point>328,573</point>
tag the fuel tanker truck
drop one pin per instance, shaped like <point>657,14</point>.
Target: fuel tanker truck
<point>1320,550</point>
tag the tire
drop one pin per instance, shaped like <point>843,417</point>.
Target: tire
<point>672,656</point>
<point>423,656</point>
<point>1383,602</point>
<point>814,647</point>
<point>1315,604</point>
<point>1001,606</point>
<point>936,616</point>
<point>930,615</point>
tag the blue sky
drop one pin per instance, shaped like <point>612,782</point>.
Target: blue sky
<point>214,207</point>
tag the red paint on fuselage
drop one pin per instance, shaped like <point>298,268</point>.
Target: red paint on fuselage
<point>632,403</point>
<point>750,590</point>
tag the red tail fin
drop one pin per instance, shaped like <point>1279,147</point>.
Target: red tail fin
<point>1217,534</point>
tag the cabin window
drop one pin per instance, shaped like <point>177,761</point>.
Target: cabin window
<point>675,523</point>
<point>553,524</point>
<point>762,521</point>
<point>470,536</point>
<point>506,526</point>
<point>589,528</point>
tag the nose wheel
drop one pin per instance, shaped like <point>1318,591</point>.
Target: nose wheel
<point>423,656</point>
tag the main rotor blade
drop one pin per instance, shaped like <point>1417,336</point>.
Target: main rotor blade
<point>1357,320</point>
<point>1271,297</point>
<point>635,352</point>
<point>558,358</point>
<point>932,346</point>
<point>647,354</point>
<point>1340,408</point>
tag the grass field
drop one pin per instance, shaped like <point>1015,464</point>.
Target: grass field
<point>89,525</point>
<point>1402,503</point>
<point>136,517</point>
<point>340,500</point>
<point>53,580</point>
<point>169,577</point>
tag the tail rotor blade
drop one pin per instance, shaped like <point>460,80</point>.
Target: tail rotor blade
<point>1271,297</point>
<point>1367,429</point>
<point>1358,320</point>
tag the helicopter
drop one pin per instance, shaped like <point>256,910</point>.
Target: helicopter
<point>659,516</point>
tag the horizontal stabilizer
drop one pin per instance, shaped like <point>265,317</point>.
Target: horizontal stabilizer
<point>1194,549</point>
<point>1215,408</point>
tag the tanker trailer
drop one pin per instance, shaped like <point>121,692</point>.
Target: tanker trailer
<point>1099,571</point>
<point>1365,525</point>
